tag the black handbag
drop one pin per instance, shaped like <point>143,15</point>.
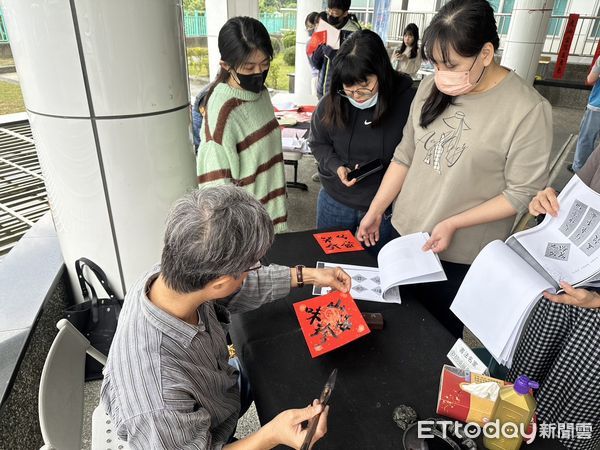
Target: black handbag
<point>95,318</point>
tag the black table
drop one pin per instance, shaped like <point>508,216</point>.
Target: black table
<point>400,364</point>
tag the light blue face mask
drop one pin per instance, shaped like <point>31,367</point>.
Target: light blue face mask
<point>366,104</point>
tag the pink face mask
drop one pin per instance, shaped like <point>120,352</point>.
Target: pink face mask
<point>455,83</point>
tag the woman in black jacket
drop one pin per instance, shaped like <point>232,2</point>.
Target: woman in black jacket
<point>359,121</point>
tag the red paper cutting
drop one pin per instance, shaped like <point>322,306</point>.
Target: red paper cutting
<point>338,242</point>
<point>330,321</point>
<point>317,38</point>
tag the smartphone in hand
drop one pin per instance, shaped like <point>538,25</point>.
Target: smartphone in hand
<point>365,170</point>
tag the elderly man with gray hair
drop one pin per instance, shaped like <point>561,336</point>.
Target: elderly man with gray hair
<point>167,382</point>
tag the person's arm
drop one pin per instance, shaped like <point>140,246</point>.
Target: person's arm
<point>390,187</point>
<point>497,208</point>
<point>525,172</point>
<point>270,283</point>
<point>216,164</point>
<point>284,429</point>
<point>318,57</point>
<point>583,298</point>
<point>166,429</point>
<point>321,143</point>
<point>594,73</point>
<point>334,278</point>
<point>544,202</point>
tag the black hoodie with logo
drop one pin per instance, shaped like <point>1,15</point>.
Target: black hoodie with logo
<point>358,143</point>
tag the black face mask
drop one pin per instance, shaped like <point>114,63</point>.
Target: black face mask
<point>253,83</point>
<point>334,21</point>
<point>310,32</point>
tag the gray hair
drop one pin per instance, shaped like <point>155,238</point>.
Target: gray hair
<point>212,232</point>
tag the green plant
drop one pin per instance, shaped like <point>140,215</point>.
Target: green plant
<point>289,39</point>
<point>197,52</point>
<point>189,6</point>
<point>277,45</point>
<point>273,77</point>
<point>289,56</point>
<point>197,58</point>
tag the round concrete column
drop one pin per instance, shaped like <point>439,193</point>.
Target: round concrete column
<point>106,90</point>
<point>302,78</point>
<point>526,37</point>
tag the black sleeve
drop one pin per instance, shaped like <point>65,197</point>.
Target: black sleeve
<point>318,57</point>
<point>321,144</point>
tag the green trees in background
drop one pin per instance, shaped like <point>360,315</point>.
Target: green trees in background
<point>284,46</point>
<point>272,6</point>
<point>194,5</point>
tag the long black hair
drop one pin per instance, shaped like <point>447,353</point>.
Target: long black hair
<point>311,18</point>
<point>464,26</point>
<point>413,30</point>
<point>238,38</point>
<point>361,55</point>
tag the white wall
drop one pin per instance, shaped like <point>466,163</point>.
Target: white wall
<point>217,13</point>
<point>583,7</point>
<point>421,5</point>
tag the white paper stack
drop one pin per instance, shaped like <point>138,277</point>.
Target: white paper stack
<point>496,297</point>
<point>508,278</point>
<point>402,261</point>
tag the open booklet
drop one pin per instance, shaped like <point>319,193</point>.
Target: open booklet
<point>508,278</point>
<point>401,261</point>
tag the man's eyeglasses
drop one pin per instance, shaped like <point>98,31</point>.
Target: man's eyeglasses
<point>256,266</point>
<point>334,12</point>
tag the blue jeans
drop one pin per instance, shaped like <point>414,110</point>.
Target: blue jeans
<point>333,214</point>
<point>196,124</point>
<point>588,133</point>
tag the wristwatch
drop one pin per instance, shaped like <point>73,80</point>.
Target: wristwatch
<point>299,277</point>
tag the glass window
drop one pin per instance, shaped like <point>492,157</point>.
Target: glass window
<point>554,26</point>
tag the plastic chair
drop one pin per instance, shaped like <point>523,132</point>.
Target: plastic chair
<point>60,403</point>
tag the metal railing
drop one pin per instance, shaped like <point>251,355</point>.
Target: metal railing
<point>275,23</point>
<point>23,198</point>
<point>194,24</point>
<point>585,39</point>
<point>584,43</point>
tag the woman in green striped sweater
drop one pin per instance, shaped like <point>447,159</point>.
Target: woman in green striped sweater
<point>241,140</point>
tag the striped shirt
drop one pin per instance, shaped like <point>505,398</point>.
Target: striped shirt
<point>241,145</point>
<point>167,384</point>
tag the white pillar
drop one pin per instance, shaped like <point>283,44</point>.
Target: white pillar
<point>105,87</point>
<point>217,13</point>
<point>526,36</point>
<point>302,77</point>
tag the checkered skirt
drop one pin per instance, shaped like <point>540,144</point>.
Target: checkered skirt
<point>560,348</point>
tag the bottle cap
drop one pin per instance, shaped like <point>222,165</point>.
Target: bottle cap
<point>523,384</point>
